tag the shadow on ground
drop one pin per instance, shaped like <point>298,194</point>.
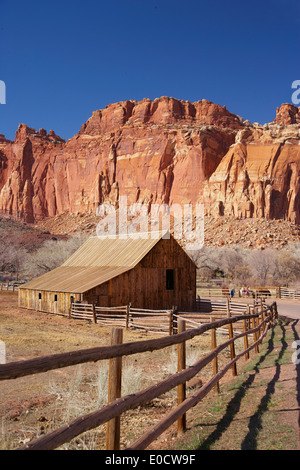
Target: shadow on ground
<point>250,441</point>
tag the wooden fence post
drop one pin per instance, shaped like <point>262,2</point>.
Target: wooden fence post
<point>175,320</point>
<point>171,321</point>
<point>181,365</point>
<point>254,323</point>
<point>215,360</point>
<point>279,292</point>
<point>94,313</point>
<point>232,348</point>
<point>114,392</point>
<point>245,328</point>
<point>276,311</point>
<point>259,318</point>
<point>262,316</point>
<point>127,315</point>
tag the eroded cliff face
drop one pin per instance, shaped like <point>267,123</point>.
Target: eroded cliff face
<point>161,151</point>
<point>260,174</point>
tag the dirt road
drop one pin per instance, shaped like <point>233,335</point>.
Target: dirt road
<point>289,308</point>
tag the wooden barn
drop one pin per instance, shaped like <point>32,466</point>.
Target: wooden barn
<point>153,273</point>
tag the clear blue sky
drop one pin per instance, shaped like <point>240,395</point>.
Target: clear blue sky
<point>61,60</point>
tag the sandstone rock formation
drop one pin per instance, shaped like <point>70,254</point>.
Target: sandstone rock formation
<point>260,174</point>
<point>160,151</point>
<point>287,114</point>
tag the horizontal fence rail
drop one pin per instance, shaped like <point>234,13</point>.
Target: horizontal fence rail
<point>255,325</point>
<point>260,292</point>
<point>9,287</point>
<point>285,293</point>
<point>160,321</point>
<point>154,321</point>
<point>224,292</point>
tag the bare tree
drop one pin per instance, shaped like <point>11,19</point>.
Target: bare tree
<point>262,264</point>
<point>245,267</point>
<point>286,266</point>
<point>234,261</point>
<point>207,261</point>
<point>11,256</point>
<point>51,254</point>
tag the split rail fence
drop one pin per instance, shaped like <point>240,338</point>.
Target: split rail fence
<point>154,321</point>
<point>162,321</point>
<point>224,292</point>
<point>255,328</point>
<point>261,292</point>
<point>9,287</point>
<point>286,293</point>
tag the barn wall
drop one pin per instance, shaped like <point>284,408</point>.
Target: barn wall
<point>30,299</point>
<point>145,285</point>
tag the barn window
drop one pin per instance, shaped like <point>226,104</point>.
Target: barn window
<point>170,279</point>
<point>55,297</point>
<point>40,296</point>
<point>72,299</point>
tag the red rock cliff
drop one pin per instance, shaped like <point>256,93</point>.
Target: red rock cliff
<point>162,151</point>
<point>260,174</point>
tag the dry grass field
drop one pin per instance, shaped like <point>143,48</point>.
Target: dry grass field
<point>258,410</point>
<point>31,406</point>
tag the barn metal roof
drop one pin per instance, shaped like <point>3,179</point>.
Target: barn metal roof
<point>98,260</point>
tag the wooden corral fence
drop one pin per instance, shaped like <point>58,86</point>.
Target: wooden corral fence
<point>162,321</point>
<point>220,305</point>
<point>224,292</point>
<point>216,308</point>
<point>286,293</point>
<point>8,287</point>
<point>154,321</point>
<point>255,325</point>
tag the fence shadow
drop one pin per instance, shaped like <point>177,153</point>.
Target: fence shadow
<point>255,423</point>
<point>296,337</point>
<point>233,407</point>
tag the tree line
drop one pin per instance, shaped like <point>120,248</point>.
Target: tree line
<point>274,267</point>
<point>241,265</point>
